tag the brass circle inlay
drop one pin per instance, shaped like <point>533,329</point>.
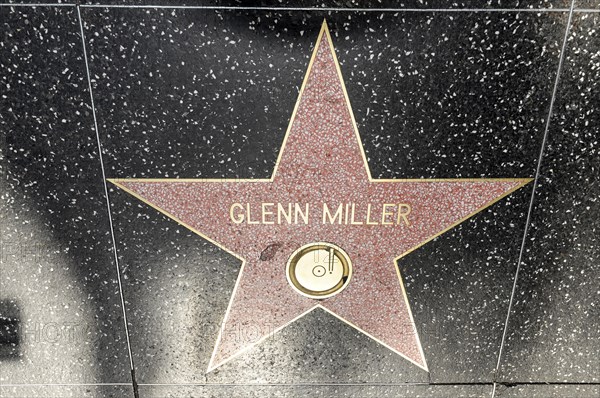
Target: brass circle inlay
<point>319,270</point>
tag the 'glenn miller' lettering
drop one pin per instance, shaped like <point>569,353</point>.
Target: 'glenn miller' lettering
<point>341,213</point>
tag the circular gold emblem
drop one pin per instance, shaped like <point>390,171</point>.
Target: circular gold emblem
<point>319,270</point>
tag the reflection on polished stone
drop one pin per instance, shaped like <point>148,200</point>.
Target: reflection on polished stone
<point>208,93</point>
<point>60,312</point>
<point>10,329</point>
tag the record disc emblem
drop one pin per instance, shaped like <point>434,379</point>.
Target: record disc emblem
<point>319,270</point>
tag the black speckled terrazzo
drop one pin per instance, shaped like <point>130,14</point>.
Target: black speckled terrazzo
<point>430,84</point>
<point>291,391</point>
<point>557,297</point>
<point>587,4</point>
<point>354,4</point>
<point>208,93</point>
<point>58,281</point>
<point>548,391</point>
<point>460,285</point>
<point>202,96</point>
<point>67,391</point>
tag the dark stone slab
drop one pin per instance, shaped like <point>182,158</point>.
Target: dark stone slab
<point>459,287</point>
<point>59,296</point>
<point>82,391</point>
<point>547,391</point>
<point>587,4</point>
<point>353,4</point>
<point>322,391</point>
<point>204,93</point>
<point>554,334</point>
<point>459,95</point>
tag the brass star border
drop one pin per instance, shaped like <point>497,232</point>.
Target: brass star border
<point>324,36</point>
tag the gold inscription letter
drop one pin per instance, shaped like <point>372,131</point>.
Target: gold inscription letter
<point>298,212</point>
<point>327,214</point>
<point>266,213</point>
<point>404,210</point>
<point>281,212</point>
<point>239,218</point>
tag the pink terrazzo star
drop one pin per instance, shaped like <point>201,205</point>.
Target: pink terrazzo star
<point>321,162</point>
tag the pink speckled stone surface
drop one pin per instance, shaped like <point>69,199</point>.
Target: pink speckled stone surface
<point>321,163</point>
